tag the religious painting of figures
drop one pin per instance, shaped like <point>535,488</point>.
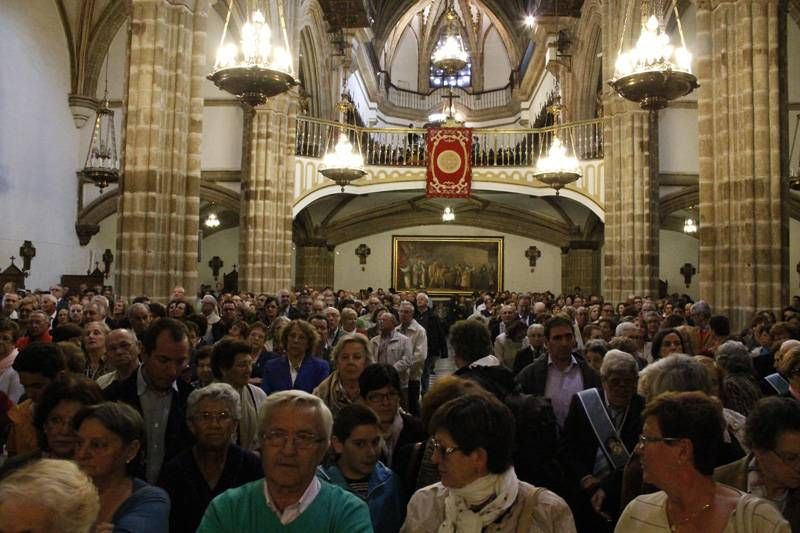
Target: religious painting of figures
<point>447,265</point>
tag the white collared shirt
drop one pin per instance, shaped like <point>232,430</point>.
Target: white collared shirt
<point>292,512</point>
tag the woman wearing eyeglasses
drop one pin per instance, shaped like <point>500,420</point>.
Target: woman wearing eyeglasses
<point>772,469</point>
<point>479,490</point>
<point>213,464</point>
<point>681,436</point>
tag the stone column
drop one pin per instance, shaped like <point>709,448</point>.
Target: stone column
<point>315,262</point>
<point>743,230</point>
<point>160,191</point>
<point>265,242</point>
<point>631,178</point>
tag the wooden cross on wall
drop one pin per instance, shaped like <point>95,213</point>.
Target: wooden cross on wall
<point>533,253</point>
<point>688,271</point>
<point>362,252</point>
<point>215,264</point>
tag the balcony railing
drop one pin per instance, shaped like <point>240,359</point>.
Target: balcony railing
<point>490,147</point>
<point>427,101</point>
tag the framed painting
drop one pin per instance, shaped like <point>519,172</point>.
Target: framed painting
<point>447,265</point>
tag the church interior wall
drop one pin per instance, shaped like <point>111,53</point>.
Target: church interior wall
<point>676,249</point>
<point>794,256</point>
<point>404,64</point>
<point>222,137</point>
<point>39,143</point>
<point>377,272</point>
<point>224,244</point>
<point>677,140</point>
<point>497,67</point>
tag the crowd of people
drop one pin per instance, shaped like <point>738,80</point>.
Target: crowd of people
<point>315,410</point>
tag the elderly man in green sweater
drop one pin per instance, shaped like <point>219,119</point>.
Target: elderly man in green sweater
<point>295,434</point>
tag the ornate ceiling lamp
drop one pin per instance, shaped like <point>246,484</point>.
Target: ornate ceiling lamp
<point>448,215</point>
<point>690,226</point>
<point>102,164</point>
<point>558,167</point>
<point>344,163</point>
<point>653,72</point>
<point>212,220</point>
<point>450,55</point>
<point>256,69</point>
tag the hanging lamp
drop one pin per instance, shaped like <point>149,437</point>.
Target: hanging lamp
<point>102,164</point>
<point>343,162</point>
<point>212,220</point>
<point>256,69</point>
<point>653,72</point>
<point>559,166</point>
<point>794,176</point>
<point>450,55</point>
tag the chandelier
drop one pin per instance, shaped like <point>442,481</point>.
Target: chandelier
<point>344,163</point>
<point>102,165</point>
<point>212,221</point>
<point>256,69</point>
<point>689,226</point>
<point>653,72</point>
<point>448,215</point>
<point>557,168</point>
<point>450,55</point>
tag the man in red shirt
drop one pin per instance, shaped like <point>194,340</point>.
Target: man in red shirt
<point>38,329</point>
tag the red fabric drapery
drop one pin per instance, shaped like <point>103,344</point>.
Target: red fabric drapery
<point>449,173</point>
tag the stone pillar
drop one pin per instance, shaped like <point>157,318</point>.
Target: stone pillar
<point>314,265</point>
<point>743,231</point>
<point>265,242</point>
<point>580,267</point>
<point>160,191</point>
<point>631,178</point>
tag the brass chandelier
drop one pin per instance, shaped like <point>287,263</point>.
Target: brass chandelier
<point>450,55</point>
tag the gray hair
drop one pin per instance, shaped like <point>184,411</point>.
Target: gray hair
<point>618,362</point>
<point>134,307</point>
<point>624,328</point>
<point>49,297</point>
<point>215,391</point>
<point>535,327</point>
<point>701,308</point>
<point>677,373</point>
<point>297,399</point>
<point>68,495</point>
<point>425,297</point>
<point>730,349</point>
<point>331,310</point>
<point>596,345</point>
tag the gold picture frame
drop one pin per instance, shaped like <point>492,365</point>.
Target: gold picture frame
<point>447,265</point>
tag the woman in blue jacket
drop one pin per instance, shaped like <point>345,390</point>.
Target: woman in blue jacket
<point>298,369</point>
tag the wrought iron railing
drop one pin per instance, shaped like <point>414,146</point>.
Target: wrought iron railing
<point>490,147</point>
<point>426,101</point>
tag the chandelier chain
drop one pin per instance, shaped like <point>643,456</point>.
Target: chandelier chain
<point>628,13</point>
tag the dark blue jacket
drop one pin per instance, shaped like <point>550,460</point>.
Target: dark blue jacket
<point>276,375</point>
<point>384,497</point>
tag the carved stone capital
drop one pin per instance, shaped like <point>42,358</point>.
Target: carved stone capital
<point>82,107</point>
<point>86,232</point>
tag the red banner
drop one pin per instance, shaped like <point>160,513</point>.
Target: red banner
<point>449,163</point>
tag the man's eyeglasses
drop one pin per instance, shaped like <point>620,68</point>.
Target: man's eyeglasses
<point>445,452</point>
<point>644,440</point>
<point>302,441</point>
<point>380,397</point>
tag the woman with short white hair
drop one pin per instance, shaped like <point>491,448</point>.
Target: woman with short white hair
<point>50,495</point>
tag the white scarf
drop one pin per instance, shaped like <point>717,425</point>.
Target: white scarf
<point>459,517</point>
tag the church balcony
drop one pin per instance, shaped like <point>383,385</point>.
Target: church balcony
<point>395,159</point>
<point>434,100</point>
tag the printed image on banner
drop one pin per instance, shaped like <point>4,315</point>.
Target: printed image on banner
<point>449,173</point>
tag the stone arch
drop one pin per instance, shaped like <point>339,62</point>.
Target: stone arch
<point>587,67</point>
<point>315,47</point>
<point>683,199</point>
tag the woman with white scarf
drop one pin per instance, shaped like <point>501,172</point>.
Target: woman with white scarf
<point>473,440</point>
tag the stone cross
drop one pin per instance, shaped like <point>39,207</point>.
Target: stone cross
<point>215,264</point>
<point>108,258</point>
<point>362,252</point>
<point>533,253</point>
<point>688,271</point>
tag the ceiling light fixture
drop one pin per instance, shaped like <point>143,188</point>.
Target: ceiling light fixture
<point>449,215</point>
<point>102,164</point>
<point>343,163</point>
<point>450,55</point>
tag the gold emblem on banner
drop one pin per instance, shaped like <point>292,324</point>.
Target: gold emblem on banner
<point>449,161</point>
